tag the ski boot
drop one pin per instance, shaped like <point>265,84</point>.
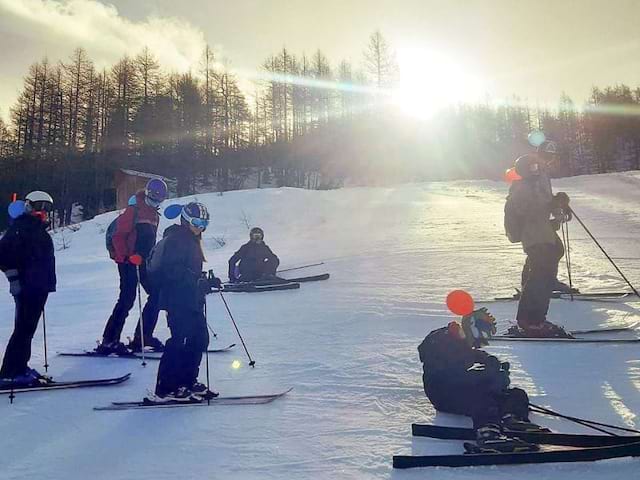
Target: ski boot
<point>512,423</point>
<point>30,378</point>
<point>181,395</point>
<point>113,348</point>
<point>200,390</point>
<point>490,439</point>
<point>543,330</point>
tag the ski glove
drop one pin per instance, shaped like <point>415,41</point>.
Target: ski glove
<point>561,200</point>
<point>204,288</point>
<point>14,282</point>
<point>215,282</point>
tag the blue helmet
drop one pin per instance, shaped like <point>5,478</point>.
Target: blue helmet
<point>156,191</point>
<point>196,214</point>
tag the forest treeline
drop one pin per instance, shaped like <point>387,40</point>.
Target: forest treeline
<point>303,121</point>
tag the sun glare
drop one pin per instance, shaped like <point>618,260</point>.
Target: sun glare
<point>430,81</point>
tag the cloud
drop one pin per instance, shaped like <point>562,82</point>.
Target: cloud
<point>105,34</point>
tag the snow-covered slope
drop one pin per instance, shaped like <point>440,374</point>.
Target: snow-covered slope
<point>347,346</point>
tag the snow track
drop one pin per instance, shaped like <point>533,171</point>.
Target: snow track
<point>347,345</point>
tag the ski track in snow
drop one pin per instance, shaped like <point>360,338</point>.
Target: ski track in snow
<point>347,345</point>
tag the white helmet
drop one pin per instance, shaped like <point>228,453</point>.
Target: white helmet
<point>39,201</point>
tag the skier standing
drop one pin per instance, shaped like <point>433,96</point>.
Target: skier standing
<point>28,260</point>
<point>176,266</point>
<point>532,216</point>
<point>135,235</point>
<point>460,378</point>
<point>257,261</point>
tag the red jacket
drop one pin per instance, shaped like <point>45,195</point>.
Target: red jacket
<point>125,237</point>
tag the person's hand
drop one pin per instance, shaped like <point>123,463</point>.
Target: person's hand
<point>562,200</point>
<point>203,286</point>
<point>215,282</point>
<point>14,282</point>
<point>135,259</point>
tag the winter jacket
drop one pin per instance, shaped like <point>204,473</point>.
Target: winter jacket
<point>251,255</point>
<point>130,238</point>
<point>532,199</point>
<point>447,359</point>
<point>28,248</point>
<point>179,269</point>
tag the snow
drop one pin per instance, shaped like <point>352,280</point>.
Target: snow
<point>347,345</point>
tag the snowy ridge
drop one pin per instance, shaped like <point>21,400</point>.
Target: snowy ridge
<point>347,345</point>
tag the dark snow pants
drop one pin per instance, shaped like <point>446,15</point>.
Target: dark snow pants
<point>182,355</point>
<point>126,299</point>
<point>29,307</point>
<point>538,283</point>
<point>484,398</point>
<point>250,271</point>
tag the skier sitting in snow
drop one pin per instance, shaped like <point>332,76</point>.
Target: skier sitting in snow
<point>460,378</point>
<point>134,235</point>
<point>176,268</point>
<point>257,261</point>
<point>532,216</point>
<point>27,259</point>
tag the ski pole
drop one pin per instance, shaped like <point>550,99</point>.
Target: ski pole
<point>581,421</point>
<point>136,260</point>
<point>603,251</point>
<point>44,335</point>
<point>206,353</point>
<point>252,362</point>
<point>567,254</point>
<point>300,268</point>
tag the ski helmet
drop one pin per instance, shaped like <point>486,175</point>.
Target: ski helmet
<point>478,327</point>
<point>196,214</point>
<point>528,165</point>
<point>256,233</point>
<point>39,201</point>
<point>156,191</point>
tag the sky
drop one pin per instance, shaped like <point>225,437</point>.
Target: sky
<point>534,49</point>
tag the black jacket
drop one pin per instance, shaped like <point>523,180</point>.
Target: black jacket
<point>28,248</point>
<point>178,269</point>
<point>251,255</point>
<point>446,362</point>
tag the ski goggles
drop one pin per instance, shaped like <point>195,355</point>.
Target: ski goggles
<point>257,236</point>
<point>41,206</point>
<point>200,223</point>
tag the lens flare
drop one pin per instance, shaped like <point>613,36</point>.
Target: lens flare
<point>236,364</point>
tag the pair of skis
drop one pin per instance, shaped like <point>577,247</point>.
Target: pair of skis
<point>133,355</point>
<point>578,337</point>
<point>556,447</point>
<point>272,284</point>
<point>585,297</point>
<point>144,404</point>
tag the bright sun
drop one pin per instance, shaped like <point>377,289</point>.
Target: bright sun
<point>430,81</point>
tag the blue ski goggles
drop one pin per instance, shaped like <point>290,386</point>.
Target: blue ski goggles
<point>200,223</point>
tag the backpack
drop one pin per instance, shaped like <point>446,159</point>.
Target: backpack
<point>513,221</point>
<point>111,229</point>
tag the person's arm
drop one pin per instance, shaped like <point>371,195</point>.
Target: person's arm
<point>10,258</point>
<point>233,261</point>
<point>124,227</point>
